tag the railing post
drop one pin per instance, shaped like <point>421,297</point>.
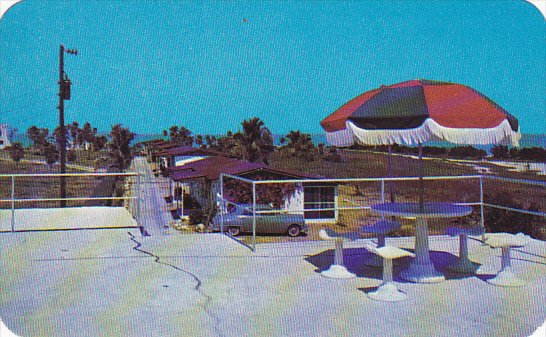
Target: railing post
<point>138,199</point>
<point>222,203</point>
<point>382,190</point>
<point>12,203</point>
<point>253,217</point>
<point>482,219</point>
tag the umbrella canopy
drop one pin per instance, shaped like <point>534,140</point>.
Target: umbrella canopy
<point>418,111</point>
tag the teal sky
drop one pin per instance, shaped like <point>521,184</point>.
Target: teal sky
<point>149,65</point>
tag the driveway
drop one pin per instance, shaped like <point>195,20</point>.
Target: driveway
<point>154,215</point>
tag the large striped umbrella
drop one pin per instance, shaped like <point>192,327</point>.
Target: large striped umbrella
<point>418,111</point>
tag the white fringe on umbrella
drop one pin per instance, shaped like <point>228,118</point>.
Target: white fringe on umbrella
<point>340,138</point>
<point>429,131</point>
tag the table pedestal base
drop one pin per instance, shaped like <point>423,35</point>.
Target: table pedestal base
<point>506,278</point>
<point>463,265</point>
<point>421,269</point>
<point>337,271</point>
<point>422,273</point>
<point>387,292</point>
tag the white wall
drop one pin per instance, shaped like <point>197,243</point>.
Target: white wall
<point>182,160</point>
<point>295,202</point>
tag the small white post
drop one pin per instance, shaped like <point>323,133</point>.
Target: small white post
<point>505,277</point>
<point>337,270</point>
<point>382,195</point>
<point>138,199</point>
<point>222,203</point>
<point>338,253</point>
<point>181,201</point>
<point>387,271</point>
<point>253,217</point>
<point>505,258</point>
<point>382,190</point>
<point>12,203</point>
<point>463,246</point>
<point>482,219</point>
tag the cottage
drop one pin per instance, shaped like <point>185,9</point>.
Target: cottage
<point>200,180</point>
<point>152,148</point>
<point>181,155</point>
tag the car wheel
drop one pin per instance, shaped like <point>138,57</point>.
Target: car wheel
<point>234,231</point>
<point>294,230</point>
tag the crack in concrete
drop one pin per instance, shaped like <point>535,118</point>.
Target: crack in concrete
<point>197,287</point>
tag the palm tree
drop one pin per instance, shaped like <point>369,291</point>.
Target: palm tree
<point>255,141</point>
<point>38,136</point>
<point>247,138</point>
<point>199,141</point>
<point>74,130</point>
<point>119,150</point>
<point>87,134</point>
<point>212,142</point>
<point>299,144</point>
<point>265,145</point>
<point>180,135</point>
<point>50,153</point>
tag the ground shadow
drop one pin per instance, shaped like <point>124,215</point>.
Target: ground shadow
<point>355,261</point>
<point>485,277</point>
<point>368,289</point>
<point>442,260</point>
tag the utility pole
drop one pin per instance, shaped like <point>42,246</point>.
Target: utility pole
<point>64,94</point>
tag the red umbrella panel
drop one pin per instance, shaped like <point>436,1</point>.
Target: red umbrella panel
<point>418,111</point>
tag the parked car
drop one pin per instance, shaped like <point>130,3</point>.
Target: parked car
<point>239,220</point>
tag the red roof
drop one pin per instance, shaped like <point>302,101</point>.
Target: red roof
<point>186,150</point>
<point>211,168</point>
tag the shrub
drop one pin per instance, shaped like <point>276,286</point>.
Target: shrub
<point>500,152</point>
<point>532,153</point>
<point>332,155</point>
<point>499,220</point>
<point>467,152</point>
<point>16,152</point>
<point>71,156</point>
<point>196,217</point>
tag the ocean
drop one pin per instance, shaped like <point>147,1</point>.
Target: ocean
<point>527,140</point>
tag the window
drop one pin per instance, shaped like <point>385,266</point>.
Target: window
<point>317,198</point>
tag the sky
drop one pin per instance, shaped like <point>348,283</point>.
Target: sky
<point>209,65</point>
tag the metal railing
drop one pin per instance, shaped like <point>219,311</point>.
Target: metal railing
<point>480,178</point>
<point>132,198</point>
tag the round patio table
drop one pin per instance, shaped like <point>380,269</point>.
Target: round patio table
<point>421,269</point>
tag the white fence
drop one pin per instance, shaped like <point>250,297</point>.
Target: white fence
<point>86,191</point>
<point>479,202</point>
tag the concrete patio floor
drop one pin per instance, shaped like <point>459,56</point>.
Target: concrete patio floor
<point>116,283</point>
<point>33,219</point>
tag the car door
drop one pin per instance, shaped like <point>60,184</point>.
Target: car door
<point>270,222</point>
<point>244,219</point>
<point>264,221</point>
